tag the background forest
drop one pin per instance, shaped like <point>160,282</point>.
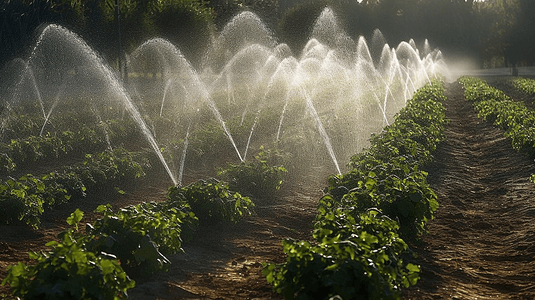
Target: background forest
<point>491,33</point>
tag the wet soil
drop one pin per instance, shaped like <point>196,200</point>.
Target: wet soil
<point>480,245</point>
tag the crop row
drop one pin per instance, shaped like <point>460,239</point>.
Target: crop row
<point>367,213</point>
<point>133,242</point>
<point>526,85</point>
<point>511,116</point>
<point>23,152</point>
<point>25,199</point>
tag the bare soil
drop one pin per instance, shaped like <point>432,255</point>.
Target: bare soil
<point>480,244</point>
<point>224,261</point>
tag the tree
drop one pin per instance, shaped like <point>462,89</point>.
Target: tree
<point>19,20</point>
<point>496,21</point>
<point>520,43</point>
<point>296,23</point>
<point>188,24</point>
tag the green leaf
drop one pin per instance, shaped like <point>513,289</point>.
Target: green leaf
<point>75,217</point>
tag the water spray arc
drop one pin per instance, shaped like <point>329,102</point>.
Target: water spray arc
<point>325,102</point>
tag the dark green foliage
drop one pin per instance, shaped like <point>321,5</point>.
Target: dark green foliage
<point>395,188</point>
<point>387,175</point>
<point>27,151</point>
<point>70,181</point>
<point>259,178</point>
<point>111,167</point>
<point>211,145</point>
<point>7,164</point>
<point>296,24</point>
<point>212,201</point>
<point>527,85</point>
<point>136,234</point>
<point>357,258</point>
<point>83,136</point>
<point>493,105</point>
<point>357,250</point>
<point>20,153</point>
<point>69,271</point>
<point>186,23</point>
<point>135,238</point>
<point>25,199</point>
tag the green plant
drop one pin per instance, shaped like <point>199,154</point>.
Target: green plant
<point>356,257</point>
<point>25,199</point>
<point>527,85</point>
<point>111,167</point>
<point>69,271</point>
<point>509,115</point>
<point>387,175</point>
<point>136,234</point>
<point>210,144</point>
<point>211,201</point>
<point>399,190</point>
<point>8,165</point>
<point>259,178</point>
<point>24,152</point>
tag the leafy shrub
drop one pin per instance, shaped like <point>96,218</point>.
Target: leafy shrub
<point>494,106</point>
<point>258,178</point>
<point>400,141</point>
<point>25,199</point>
<point>68,180</point>
<point>398,190</point>
<point>211,201</point>
<point>69,271</point>
<point>527,85</point>
<point>357,257</point>
<point>25,152</point>
<point>110,167</point>
<point>210,144</point>
<point>387,175</point>
<point>22,125</point>
<point>137,233</point>
<point>8,165</point>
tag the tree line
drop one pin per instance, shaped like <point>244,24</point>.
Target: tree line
<point>493,32</point>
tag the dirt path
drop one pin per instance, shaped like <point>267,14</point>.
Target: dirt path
<point>481,245</point>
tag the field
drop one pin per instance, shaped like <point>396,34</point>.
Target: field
<point>478,243</point>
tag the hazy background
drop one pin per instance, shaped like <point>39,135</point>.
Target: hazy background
<point>476,34</point>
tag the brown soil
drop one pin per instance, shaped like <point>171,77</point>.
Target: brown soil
<point>225,261</point>
<point>479,245</point>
